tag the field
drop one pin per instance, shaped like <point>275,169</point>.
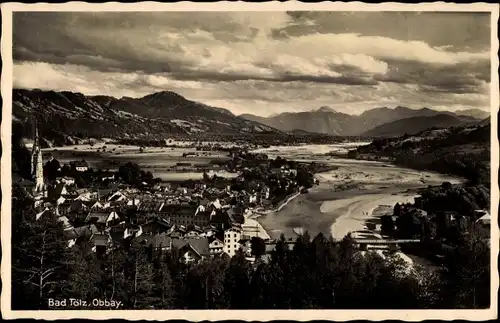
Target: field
<point>157,160</point>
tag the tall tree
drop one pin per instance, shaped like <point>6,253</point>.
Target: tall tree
<point>258,247</point>
<point>266,288</point>
<point>39,257</point>
<point>114,283</point>
<point>466,273</point>
<point>164,286</point>
<point>237,281</point>
<point>140,278</point>
<point>85,277</point>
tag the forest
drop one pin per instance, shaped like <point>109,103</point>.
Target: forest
<point>462,152</point>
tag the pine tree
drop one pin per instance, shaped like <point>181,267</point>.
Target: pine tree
<point>466,273</point>
<point>140,279</point>
<point>237,281</point>
<point>39,257</point>
<point>114,284</point>
<point>164,285</point>
<point>265,288</point>
<point>302,288</point>
<point>85,276</point>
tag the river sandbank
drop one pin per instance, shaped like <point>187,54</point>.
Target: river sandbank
<point>348,199</point>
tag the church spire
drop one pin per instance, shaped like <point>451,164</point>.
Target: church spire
<point>37,162</point>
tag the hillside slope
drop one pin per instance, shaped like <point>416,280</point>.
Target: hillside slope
<point>417,124</point>
<point>462,151</point>
<point>66,117</point>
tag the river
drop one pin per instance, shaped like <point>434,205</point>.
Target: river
<point>348,199</point>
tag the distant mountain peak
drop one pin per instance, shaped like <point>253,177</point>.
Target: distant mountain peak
<point>150,117</point>
<point>326,109</point>
<point>327,120</point>
<point>162,94</point>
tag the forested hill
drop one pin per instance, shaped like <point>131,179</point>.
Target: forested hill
<point>65,117</point>
<point>418,124</point>
<point>461,151</point>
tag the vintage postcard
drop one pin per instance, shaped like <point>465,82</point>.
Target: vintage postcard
<point>252,161</point>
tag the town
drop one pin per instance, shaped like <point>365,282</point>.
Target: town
<point>200,218</point>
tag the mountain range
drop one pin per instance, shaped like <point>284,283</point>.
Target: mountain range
<point>65,117</point>
<point>375,122</point>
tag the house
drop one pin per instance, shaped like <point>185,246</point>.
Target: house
<point>134,202</point>
<point>117,196</point>
<point>59,190</point>
<point>200,186</point>
<point>237,214</point>
<point>202,219</point>
<point>132,231</point>
<point>177,231</point>
<point>66,223</point>
<point>216,204</point>
<point>216,246</point>
<point>72,235</point>
<point>81,166</point>
<point>194,250</point>
<point>60,200</point>
<point>182,214</point>
<point>208,231</point>
<point>66,180</point>
<point>44,212</point>
<point>96,206</point>
<point>84,197</point>
<point>77,206</point>
<point>265,193</point>
<point>251,229</point>
<point>220,219</point>
<point>100,242</point>
<point>160,242</point>
<point>108,177</point>
<point>201,208</point>
<point>485,219</point>
<point>193,232</point>
<point>232,236</point>
<point>252,198</point>
<point>156,226</point>
<point>102,218</point>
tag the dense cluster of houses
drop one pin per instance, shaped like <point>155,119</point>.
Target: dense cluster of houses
<point>199,222</point>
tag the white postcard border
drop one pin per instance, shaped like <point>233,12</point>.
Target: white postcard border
<point>254,315</point>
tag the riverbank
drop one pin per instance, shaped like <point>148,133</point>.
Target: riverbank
<point>348,199</point>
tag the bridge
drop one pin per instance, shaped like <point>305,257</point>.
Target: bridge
<point>364,243</point>
<point>385,241</point>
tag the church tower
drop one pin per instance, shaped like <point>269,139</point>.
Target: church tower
<point>37,166</point>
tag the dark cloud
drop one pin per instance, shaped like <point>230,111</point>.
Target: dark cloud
<point>459,78</point>
<point>461,30</point>
<point>217,76</point>
<point>347,57</point>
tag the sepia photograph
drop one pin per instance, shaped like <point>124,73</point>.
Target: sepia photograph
<point>279,156</point>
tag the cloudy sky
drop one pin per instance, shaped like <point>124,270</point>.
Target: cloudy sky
<point>262,62</point>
